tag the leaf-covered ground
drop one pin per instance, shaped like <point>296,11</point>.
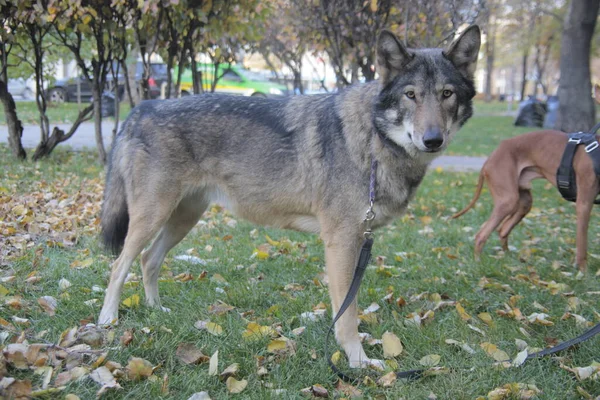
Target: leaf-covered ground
<point>250,308</point>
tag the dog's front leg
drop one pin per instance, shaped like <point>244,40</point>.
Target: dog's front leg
<point>584,209</point>
<point>341,253</point>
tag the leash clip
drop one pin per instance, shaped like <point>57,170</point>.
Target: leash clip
<point>369,217</point>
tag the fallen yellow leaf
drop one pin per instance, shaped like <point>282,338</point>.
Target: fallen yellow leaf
<point>132,301</point>
<point>392,346</point>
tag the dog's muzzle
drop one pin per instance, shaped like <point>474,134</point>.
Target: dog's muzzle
<point>433,139</point>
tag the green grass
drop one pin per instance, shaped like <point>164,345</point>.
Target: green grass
<point>494,107</point>
<point>65,113</point>
<point>481,135</point>
<point>438,261</point>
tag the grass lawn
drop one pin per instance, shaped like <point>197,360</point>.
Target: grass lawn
<point>481,135</point>
<point>65,113</point>
<point>48,232</point>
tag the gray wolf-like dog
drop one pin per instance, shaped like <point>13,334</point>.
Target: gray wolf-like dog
<point>300,162</point>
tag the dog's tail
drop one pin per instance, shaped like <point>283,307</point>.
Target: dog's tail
<point>475,198</point>
<point>115,215</point>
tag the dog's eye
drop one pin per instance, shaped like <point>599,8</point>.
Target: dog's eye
<point>410,94</point>
<point>447,93</point>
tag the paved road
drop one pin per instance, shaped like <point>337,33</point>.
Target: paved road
<point>85,138</point>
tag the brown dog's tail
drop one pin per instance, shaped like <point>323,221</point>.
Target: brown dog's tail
<point>472,203</point>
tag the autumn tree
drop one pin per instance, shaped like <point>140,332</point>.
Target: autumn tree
<point>435,23</point>
<point>347,30</point>
<point>8,18</point>
<point>93,22</point>
<point>286,38</point>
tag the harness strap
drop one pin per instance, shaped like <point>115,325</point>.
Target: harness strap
<point>566,181</point>
<point>565,176</point>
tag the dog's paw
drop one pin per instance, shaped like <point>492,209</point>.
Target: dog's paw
<point>107,320</point>
<point>373,363</point>
<point>164,309</point>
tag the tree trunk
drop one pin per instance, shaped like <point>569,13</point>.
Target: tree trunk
<point>15,127</point>
<point>97,106</point>
<point>298,86</point>
<point>576,109</point>
<point>354,73</point>
<point>58,135</point>
<point>197,77</point>
<point>170,63</point>
<point>180,67</point>
<point>524,74</point>
<point>489,60</point>
<point>117,111</point>
<point>130,74</point>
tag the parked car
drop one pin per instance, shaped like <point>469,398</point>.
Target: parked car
<point>22,88</point>
<point>65,90</point>
<point>158,75</point>
<point>233,80</point>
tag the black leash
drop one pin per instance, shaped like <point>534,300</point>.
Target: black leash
<point>359,272</point>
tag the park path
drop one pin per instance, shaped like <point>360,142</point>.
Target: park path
<point>84,138</point>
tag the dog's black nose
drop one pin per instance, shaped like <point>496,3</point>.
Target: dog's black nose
<point>433,138</point>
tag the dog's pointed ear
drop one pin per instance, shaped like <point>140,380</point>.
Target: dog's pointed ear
<point>463,51</point>
<point>391,56</point>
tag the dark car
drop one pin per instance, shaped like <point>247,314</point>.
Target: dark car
<point>158,77</point>
<point>65,90</point>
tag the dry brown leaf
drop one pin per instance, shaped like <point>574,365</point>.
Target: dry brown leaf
<point>138,369</point>
<point>213,365</point>
<point>92,335</point>
<point>49,304</point>
<point>392,346</point>
<point>231,370</point>
<point>282,346</point>
<point>188,353</point>
<point>235,386</point>
<point>16,389</point>
<point>461,312</point>
<point>199,396</point>
<point>348,390</point>
<point>220,308</point>
<point>494,352</point>
<point>210,327</point>
<point>16,355</point>
<point>127,337</point>
<point>105,378</point>
<point>316,390</point>
<point>430,360</point>
<point>68,337</point>
<point>387,380</point>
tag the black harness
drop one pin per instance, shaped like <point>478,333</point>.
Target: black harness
<point>565,175</point>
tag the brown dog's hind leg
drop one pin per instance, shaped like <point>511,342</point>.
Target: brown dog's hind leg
<point>182,220</point>
<point>525,203</point>
<point>505,205</point>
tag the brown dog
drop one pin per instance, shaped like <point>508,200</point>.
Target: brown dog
<point>509,171</point>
